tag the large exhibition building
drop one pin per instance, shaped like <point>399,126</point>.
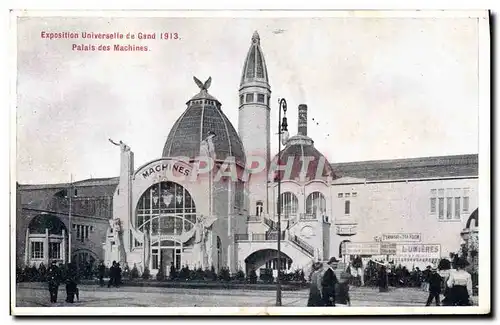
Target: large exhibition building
<point>411,211</point>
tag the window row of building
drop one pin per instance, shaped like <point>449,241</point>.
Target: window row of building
<point>38,252</point>
<point>82,231</point>
<point>449,204</point>
<point>254,98</point>
<point>347,195</point>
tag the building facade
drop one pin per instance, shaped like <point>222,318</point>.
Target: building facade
<point>176,211</point>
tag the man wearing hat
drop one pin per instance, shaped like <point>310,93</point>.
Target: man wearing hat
<point>434,280</point>
<point>328,282</point>
<point>53,279</point>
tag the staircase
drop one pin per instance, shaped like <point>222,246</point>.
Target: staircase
<point>305,247</point>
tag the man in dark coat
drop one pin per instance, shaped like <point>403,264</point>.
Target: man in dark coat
<point>328,283</point>
<point>53,279</point>
<point>118,275</point>
<point>71,283</point>
<point>102,270</point>
<point>112,274</point>
<point>435,281</point>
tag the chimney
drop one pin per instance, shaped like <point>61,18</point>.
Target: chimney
<point>302,123</point>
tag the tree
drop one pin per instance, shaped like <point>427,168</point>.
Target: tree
<point>252,276</point>
<point>146,274</point>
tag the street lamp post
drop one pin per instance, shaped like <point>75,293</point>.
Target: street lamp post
<point>70,230</point>
<point>282,134</point>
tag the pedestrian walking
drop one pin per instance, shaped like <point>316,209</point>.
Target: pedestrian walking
<point>53,279</point>
<point>342,289</point>
<point>112,274</point>
<point>328,283</point>
<point>118,275</point>
<point>434,281</point>
<point>102,272</point>
<point>315,299</point>
<point>383,284</point>
<point>71,283</point>
<point>460,285</point>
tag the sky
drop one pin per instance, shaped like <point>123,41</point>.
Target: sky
<point>377,88</point>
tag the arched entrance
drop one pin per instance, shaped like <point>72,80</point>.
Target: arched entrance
<point>267,258</point>
<point>166,253</point>
<point>341,246</point>
<point>46,240</point>
<point>165,212</point>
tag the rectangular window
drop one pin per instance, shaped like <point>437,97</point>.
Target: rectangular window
<point>441,208</point>
<point>341,195</point>
<point>347,195</point>
<point>155,259</point>
<point>433,192</point>
<point>347,207</point>
<point>433,205</point>
<point>260,98</point>
<point>441,192</point>
<point>78,232</point>
<point>249,98</point>
<point>87,232</point>
<point>55,250</point>
<point>457,208</point>
<point>178,259</point>
<point>466,204</point>
<point>354,194</point>
<point>449,211</point>
<point>36,249</point>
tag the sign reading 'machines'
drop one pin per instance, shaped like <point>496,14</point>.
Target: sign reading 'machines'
<point>177,168</point>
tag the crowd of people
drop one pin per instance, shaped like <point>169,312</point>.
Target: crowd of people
<point>330,283</point>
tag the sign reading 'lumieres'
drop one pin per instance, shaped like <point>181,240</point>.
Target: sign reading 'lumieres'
<point>418,252</point>
<point>402,237</point>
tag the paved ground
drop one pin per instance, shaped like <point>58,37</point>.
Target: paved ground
<point>36,294</point>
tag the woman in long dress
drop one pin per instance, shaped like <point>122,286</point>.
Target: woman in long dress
<point>342,289</point>
<point>382,279</point>
<point>315,298</point>
<point>460,285</point>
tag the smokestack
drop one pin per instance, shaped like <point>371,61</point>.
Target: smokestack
<point>302,123</point>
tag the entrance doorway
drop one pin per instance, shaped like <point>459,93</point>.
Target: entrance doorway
<point>166,254</point>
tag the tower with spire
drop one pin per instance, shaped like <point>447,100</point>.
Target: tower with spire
<point>254,119</point>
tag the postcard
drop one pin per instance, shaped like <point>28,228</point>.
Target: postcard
<point>250,162</point>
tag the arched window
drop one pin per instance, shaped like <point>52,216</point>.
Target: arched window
<point>166,208</point>
<point>315,204</point>
<point>259,208</point>
<point>289,204</point>
<point>347,207</point>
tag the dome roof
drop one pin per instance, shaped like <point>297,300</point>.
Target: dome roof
<point>302,146</point>
<point>203,114</point>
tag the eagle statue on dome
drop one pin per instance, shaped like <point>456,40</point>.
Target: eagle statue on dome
<point>203,86</point>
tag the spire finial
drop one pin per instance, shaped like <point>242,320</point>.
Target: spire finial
<point>203,86</point>
<point>255,38</point>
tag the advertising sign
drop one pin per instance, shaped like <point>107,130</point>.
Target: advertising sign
<point>418,252</point>
<point>361,249</point>
<point>402,237</point>
<point>388,248</point>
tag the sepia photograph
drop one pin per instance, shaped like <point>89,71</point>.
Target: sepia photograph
<point>250,162</point>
